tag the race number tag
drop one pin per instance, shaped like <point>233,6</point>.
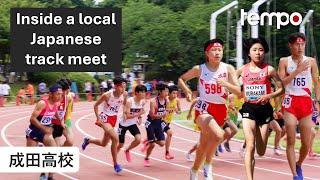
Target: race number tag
<point>147,124</point>
<point>254,92</point>
<point>103,117</point>
<point>61,115</point>
<point>300,82</point>
<point>163,125</point>
<point>46,120</point>
<point>287,101</point>
<point>201,106</point>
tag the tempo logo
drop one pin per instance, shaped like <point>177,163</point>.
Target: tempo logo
<point>254,18</point>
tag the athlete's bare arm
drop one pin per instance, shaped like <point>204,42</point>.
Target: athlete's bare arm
<point>283,74</point>
<point>315,79</point>
<point>191,107</point>
<point>272,73</point>
<point>239,72</point>
<point>125,97</point>
<point>232,84</point>
<point>178,109</point>
<point>34,121</point>
<point>103,98</point>
<point>152,112</point>
<point>192,73</point>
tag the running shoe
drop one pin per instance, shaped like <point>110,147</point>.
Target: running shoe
<point>117,168</point>
<point>312,154</point>
<point>227,146</point>
<point>296,178</point>
<point>277,151</point>
<point>146,163</point>
<point>207,171</point>
<point>220,149</point>
<point>168,156</point>
<point>193,174</point>
<point>299,171</point>
<point>144,147</point>
<point>128,155</point>
<point>189,157</point>
<point>85,143</point>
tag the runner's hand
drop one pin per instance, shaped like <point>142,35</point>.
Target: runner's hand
<point>189,116</point>
<point>139,120</point>
<point>189,97</point>
<point>47,130</point>
<point>302,66</point>
<point>264,99</point>
<point>222,83</point>
<point>98,122</point>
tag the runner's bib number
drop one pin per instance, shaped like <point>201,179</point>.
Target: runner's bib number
<point>299,82</point>
<point>287,101</point>
<point>103,117</point>
<point>202,106</point>
<point>163,125</point>
<point>254,92</point>
<point>46,120</point>
<point>61,115</point>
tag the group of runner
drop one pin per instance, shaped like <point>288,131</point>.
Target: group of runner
<point>218,83</point>
<point>296,76</point>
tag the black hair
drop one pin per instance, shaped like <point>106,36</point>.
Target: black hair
<point>54,88</point>
<point>173,88</point>
<point>140,88</point>
<point>294,36</point>
<point>64,84</point>
<point>247,44</point>
<point>160,87</point>
<point>118,80</point>
<point>212,41</point>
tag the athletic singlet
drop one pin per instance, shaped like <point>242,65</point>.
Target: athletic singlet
<point>47,114</point>
<point>111,108</point>
<point>61,110</point>
<point>208,89</point>
<point>135,108</point>
<point>301,85</point>
<point>171,107</point>
<point>255,84</point>
<point>69,107</point>
<point>160,109</point>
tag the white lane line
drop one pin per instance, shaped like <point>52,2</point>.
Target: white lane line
<point>142,155</point>
<point>3,135</point>
<point>240,141</point>
<point>97,160</point>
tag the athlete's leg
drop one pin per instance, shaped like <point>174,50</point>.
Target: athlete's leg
<point>291,123</point>
<point>305,128</point>
<point>249,129</point>
<point>262,139</point>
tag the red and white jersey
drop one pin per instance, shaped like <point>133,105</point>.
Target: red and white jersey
<point>61,110</point>
<point>301,85</point>
<point>255,84</point>
<point>46,115</point>
<point>111,108</point>
<point>208,88</point>
<point>134,109</point>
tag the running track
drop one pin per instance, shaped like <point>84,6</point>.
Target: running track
<point>96,162</point>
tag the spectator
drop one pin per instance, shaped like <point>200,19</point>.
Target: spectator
<point>87,88</point>
<point>104,86</point>
<point>74,90</point>
<point>21,96</point>
<point>93,90</point>
<point>30,93</point>
<point>42,88</point>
